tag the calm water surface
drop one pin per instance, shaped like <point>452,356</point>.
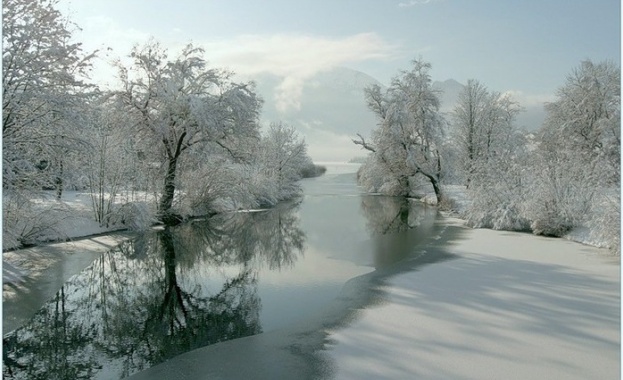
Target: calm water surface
<point>177,289</point>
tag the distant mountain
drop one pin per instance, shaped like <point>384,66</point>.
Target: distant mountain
<point>450,90</point>
<point>332,111</point>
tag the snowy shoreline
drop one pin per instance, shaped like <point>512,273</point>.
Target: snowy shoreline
<point>512,305</point>
<point>84,235</point>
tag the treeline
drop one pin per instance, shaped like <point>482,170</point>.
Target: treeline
<point>562,177</point>
<point>175,138</point>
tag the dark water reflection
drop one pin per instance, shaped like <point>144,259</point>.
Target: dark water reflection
<point>171,291</point>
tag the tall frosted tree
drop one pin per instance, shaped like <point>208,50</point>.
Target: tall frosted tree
<point>483,128</point>
<point>578,158</point>
<point>42,72</point>
<point>283,156</point>
<point>43,94</point>
<point>586,119</point>
<point>410,128</point>
<point>182,106</point>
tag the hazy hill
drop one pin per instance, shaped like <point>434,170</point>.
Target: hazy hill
<point>332,110</point>
<point>449,93</point>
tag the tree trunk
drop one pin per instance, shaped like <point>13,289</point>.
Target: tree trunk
<point>403,183</point>
<point>166,202</point>
<point>437,188</point>
<point>59,181</point>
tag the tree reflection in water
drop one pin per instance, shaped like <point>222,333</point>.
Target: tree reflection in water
<point>155,297</point>
<point>397,225</point>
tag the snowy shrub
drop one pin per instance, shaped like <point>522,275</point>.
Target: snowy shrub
<point>578,156</point>
<point>263,188</point>
<point>136,216</point>
<point>373,177</point>
<point>448,204</point>
<point>497,198</point>
<point>605,222</point>
<point>27,221</point>
<point>492,212</point>
<point>311,170</point>
<point>283,158</point>
<point>215,188</point>
<point>560,194</point>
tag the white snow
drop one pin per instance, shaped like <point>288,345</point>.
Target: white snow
<point>459,198</point>
<point>75,218</point>
<point>510,306</point>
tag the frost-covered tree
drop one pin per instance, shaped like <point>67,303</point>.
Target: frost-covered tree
<point>407,142</point>
<point>43,94</point>
<point>483,127</point>
<point>112,167</point>
<point>184,109</point>
<point>42,72</point>
<point>491,156</point>
<point>586,119</point>
<point>283,156</point>
<point>577,167</point>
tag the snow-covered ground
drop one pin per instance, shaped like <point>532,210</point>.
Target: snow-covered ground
<point>509,306</point>
<point>72,217</point>
<point>74,226</point>
<point>460,202</point>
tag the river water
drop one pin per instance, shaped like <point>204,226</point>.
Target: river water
<point>174,290</point>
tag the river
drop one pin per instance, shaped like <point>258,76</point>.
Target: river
<point>276,275</point>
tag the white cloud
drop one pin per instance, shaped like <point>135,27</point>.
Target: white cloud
<point>294,58</point>
<point>530,100</point>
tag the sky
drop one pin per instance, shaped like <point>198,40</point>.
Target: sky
<point>524,47</point>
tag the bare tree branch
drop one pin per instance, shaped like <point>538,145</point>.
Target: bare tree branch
<point>363,143</point>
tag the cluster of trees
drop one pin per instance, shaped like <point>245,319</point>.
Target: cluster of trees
<point>175,138</point>
<point>565,175</point>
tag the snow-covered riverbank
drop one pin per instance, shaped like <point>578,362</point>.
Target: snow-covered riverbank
<point>512,306</point>
<point>32,276</point>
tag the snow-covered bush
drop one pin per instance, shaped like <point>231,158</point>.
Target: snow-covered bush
<point>311,170</point>
<point>136,216</point>
<point>605,221</point>
<point>579,157</point>
<point>27,221</point>
<point>214,188</point>
<point>263,188</point>
<point>559,198</point>
<point>497,197</point>
<point>489,211</point>
<point>449,204</point>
